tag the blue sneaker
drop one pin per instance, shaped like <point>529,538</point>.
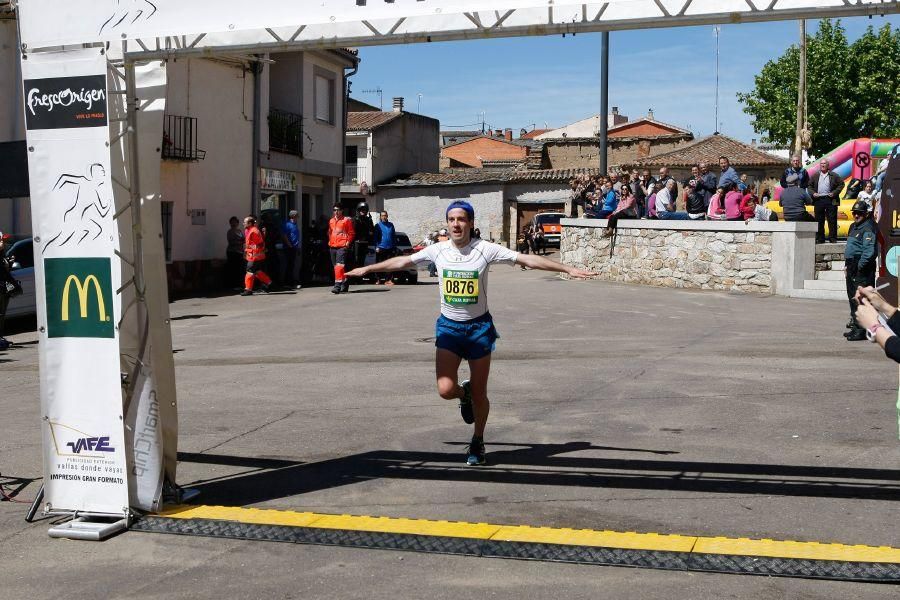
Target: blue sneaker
<point>475,455</point>
<point>5,344</point>
<point>465,403</point>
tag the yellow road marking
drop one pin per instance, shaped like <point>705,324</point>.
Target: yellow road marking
<point>588,537</point>
<point>800,550</point>
<point>545,535</point>
<point>479,531</point>
<point>256,516</point>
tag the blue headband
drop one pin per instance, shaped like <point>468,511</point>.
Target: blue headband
<point>463,205</point>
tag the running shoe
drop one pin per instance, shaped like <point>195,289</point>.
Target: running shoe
<point>475,454</point>
<point>5,344</point>
<point>247,293</point>
<point>465,403</point>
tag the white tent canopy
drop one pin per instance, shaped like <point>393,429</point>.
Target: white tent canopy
<point>177,27</point>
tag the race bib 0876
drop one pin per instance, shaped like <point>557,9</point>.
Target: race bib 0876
<point>460,287</point>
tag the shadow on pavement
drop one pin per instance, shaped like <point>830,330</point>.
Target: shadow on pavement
<point>191,317</point>
<point>541,465</point>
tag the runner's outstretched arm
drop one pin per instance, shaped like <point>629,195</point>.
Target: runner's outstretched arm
<point>398,263</point>
<point>532,261</point>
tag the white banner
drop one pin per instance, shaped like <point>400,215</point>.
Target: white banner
<point>53,22</point>
<point>333,23</point>
<point>76,274</point>
<point>151,423</point>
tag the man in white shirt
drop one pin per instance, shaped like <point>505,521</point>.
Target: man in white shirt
<point>465,329</point>
<point>665,203</point>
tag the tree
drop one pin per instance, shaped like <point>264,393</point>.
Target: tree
<point>852,88</point>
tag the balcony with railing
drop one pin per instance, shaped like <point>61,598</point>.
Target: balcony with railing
<point>285,132</point>
<point>354,174</point>
<point>180,139</point>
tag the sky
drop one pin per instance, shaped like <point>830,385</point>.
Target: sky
<point>539,82</point>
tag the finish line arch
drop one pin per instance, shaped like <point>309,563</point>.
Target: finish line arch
<point>75,54</point>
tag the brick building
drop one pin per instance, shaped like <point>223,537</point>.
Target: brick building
<point>471,152</point>
<point>626,143</point>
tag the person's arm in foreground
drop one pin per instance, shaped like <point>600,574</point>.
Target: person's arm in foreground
<point>532,261</point>
<point>870,304</point>
<point>398,263</point>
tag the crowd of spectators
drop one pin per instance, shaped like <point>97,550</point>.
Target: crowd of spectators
<point>639,195</point>
<point>726,195</point>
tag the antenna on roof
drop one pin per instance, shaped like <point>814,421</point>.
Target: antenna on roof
<point>380,93</point>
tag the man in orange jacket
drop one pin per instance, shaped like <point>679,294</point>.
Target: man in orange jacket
<point>255,255</point>
<point>340,238</point>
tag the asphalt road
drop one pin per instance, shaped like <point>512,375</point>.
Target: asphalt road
<point>613,407</point>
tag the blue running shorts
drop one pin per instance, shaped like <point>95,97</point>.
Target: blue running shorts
<point>470,340</point>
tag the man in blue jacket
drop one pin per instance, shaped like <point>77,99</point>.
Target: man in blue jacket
<point>729,176</point>
<point>385,246</point>
<point>859,260</point>
<point>797,169</point>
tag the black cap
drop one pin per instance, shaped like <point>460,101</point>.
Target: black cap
<point>860,206</point>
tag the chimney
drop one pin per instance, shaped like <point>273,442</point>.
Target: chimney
<point>615,110</point>
<point>398,104</point>
<point>507,133</point>
<point>650,114</point>
<point>753,142</point>
<point>490,133</point>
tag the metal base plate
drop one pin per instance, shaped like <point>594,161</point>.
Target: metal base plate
<point>88,530</point>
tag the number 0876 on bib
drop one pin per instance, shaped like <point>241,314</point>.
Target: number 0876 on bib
<point>460,287</point>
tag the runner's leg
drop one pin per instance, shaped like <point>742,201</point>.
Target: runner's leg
<point>446,367</point>
<point>480,371</point>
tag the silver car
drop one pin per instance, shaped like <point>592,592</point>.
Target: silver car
<point>23,270</point>
<point>404,247</point>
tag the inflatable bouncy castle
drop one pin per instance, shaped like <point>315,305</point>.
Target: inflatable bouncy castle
<point>853,160</point>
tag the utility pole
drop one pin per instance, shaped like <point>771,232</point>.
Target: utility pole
<point>797,147</point>
<point>604,100</point>
<point>716,124</point>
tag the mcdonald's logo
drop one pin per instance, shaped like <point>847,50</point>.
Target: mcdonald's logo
<point>79,297</point>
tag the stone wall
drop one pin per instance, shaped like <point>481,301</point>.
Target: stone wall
<point>756,257</point>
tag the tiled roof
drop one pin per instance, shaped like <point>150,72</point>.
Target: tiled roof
<point>471,176</point>
<point>487,137</point>
<point>631,124</point>
<point>709,149</point>
<point>369,120</point>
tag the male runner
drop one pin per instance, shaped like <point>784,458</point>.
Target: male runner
<point>465,329</point>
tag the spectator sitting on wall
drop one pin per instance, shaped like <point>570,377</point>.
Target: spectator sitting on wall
<point>760,212</point>
<point>794,200</point>
<point>665,203</point>
<point>747,212</point>
<point>716,209</point>
<point>624,210</point>
<point>663,179</point>
<point>728,177</point>
<point>733,199</point>
<point>693,200</point>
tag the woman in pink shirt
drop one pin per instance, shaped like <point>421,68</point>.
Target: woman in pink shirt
<point>733,204</point>
<point>716,210</point>
<point>624,210</point>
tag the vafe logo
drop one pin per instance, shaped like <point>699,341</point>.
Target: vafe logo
<point>94,444</point>
<point>82,443</point>
<point>65,102</point>
<point>79,297</point>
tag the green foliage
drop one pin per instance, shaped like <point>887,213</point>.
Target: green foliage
<point>852,89</point>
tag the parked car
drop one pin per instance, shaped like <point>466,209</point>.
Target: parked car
<point>23,270</point>
<point>404,247</point>
<point>549,223</point>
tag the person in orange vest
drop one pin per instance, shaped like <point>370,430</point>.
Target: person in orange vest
<point>255,255</point>
<point>340,239</point>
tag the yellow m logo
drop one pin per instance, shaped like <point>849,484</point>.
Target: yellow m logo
<point>83,290</point>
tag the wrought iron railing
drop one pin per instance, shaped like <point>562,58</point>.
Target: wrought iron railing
<point>180,139</point>
<point>354,174</point>
<point>285,132</point>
